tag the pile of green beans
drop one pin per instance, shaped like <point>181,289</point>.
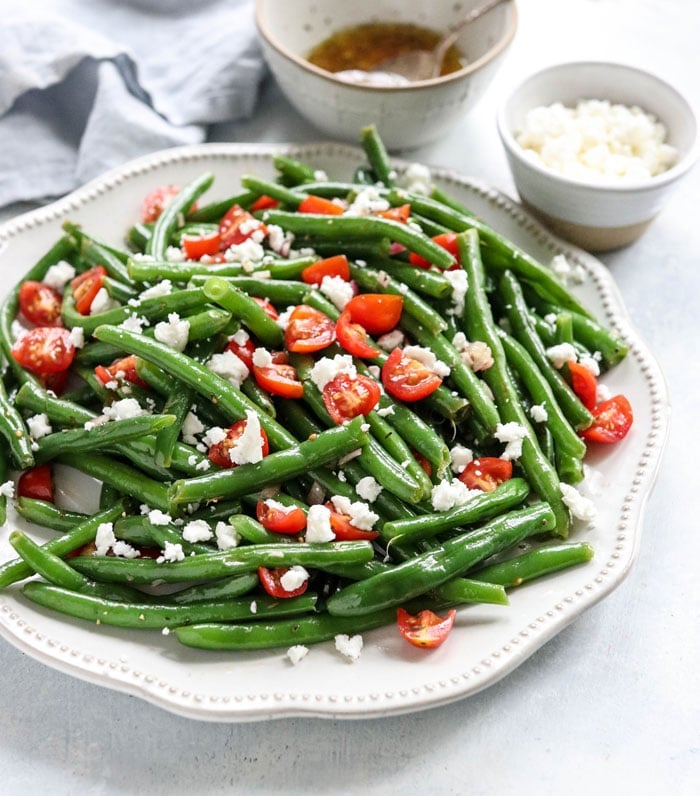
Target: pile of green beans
<point>424,557</point>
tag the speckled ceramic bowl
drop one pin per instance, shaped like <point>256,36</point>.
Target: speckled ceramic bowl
<point>597,215</point>
<point>406,116</point>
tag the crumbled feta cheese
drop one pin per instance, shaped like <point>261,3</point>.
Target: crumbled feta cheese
<point>104,538</point>
<point>262,358</point>
<point>172,552</point>
<point>134,323</point>
<point>247,251</point>
<point>561,354</point>
<point>253,607</point>
<point>58,275</point>
<point>476,356</point>
<point>513,435</point>
<point>76,337</point>
<point>123,549</point>
<point>247,449</point>
<point>337,290</point>
<point>294,578</point>
<point>229,367</point>
<point>39,426</point>
<point>197,531</point>
<point>582,508</point>
<point>366,202</point>
<point>326,369</point>
<point>460,456</point>
<point>279,240</point>
<point>368,488</point>
<point>271,503</point>
<point>297,653</point>
<point>538,412</point>
<point>240,337</point>
<point>359,513</point>
<point>349,646</point>
<point>416,179</point>
<point>213,436</point>
<point>385,411</point>
<point>446,495</point>
<point>282,320</point>
<point>391,340</point>
<point>173,254</point>
<point>191,426</point>
<point>174,332</point>
<point>227,537</point>
<point>7,489</point>
<point>318,524</point>
<point>160,289</point>
<point>102,302</point>
<point>124,409</point>
<point>459,282</point>
<point>158,517</point>
<point>603,393</point>
<point>591,364</point>
<point>426,357</point>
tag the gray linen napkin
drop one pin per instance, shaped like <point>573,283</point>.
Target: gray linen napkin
<point>86,85</point>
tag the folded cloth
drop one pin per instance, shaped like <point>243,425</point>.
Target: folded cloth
<point>85,86</point>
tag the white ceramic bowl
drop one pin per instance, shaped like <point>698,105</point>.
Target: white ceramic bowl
<point>597,216</point>
<point>406,116</point>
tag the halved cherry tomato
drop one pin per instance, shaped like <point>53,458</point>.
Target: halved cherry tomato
<point>124,368</point>
<point>244,351</point>
<point>40,303</point>
<point>448,241</point>
<point>155,202</point>
<point>264,202</point>
<point>37,483</point>
<point>86,286</point>
<point>344,530</point>
<point>425,629</point>
<point>279,378</point>
<point>219,452</point>
<point>267,305</point>
<point>46,349</point>
<point>347,396</point>
<point>54,381</point>
<point>486,473</point>
<point>408,379</point>
<point>270,580</point>
<point>277,521</point>
<point>353,337</point>
<point>331,266</point>
<point>613,419</point>
<point>238,225</point>
<point>196,246</point>
<point>317,204</point>
<point>308,330</point>
<point>400,214</point>
<point>424,463</point>
<point>584,384</point>
<point>377,312</point>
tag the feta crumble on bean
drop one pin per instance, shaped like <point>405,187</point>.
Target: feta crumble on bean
<point>318,524</point>
<point>368,488</point>
<point>172,552</point>
<point>337,290</point>
<point>229,367</point>
<point>227,537</point>
<point>513,435</point>
<point>538,412</point>
<point>197,531</point>
<point>174,332</point>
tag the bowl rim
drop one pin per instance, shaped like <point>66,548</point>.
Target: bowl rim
<point>452,77</point>
<point>610,185</point>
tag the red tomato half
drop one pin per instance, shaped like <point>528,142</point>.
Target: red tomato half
<point>308,330</point>
<point>37,483</point>
<point>400,214</point>
<point>244,351</point>
<point>425,629</point>
<point>319,205</point>
<point>331,266</point>
<point>155,202</point>
<point>86,286</point>
<point>448,241</point>
<point>584,384</point>
<point>377,312</point>
<point>219,452</point>
<point>613,419</point>
<point>124,368</point>
<point>238,225</point>
<point>270,580</point>
<point>279,378</point>
<point>278,521</point>
<point>407,379</point>
<point>344,530</point>
<point>44,350</point>
<point>486,473</point>
<point>267,305</point>
<point>353,337</point>
<point>40,304</point>
<point>264,202</point>
<point>196,246</point>
<point>348,396</point>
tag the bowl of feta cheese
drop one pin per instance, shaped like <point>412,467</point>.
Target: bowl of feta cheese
<point>596,148</point>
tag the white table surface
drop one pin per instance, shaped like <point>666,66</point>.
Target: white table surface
<point>612,704</point>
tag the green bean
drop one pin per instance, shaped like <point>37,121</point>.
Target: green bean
<point>223,589</point>
<point>177,405</point>
<point>506,496</point>
<point>365,227</point>
<point>273,189</point>
<point>259,397</point>
<point>167,221</point>
<point>46,514</point>
<point>215,210</point>
<point>150,616</point>
<point>429,570</point>
<point>422,280</point>
<point>211,566</point>
<point>293,169</point>
<point>252,531</point>
<point>96,253</point>
<point>14,430</point>
<point>141,530</point>
<point>279,291</point>
<point>75,538</point>
<point>479,325</point>
<point>244,308</point>
<point>468,590</point>
<point>535,563</point>
<point>368,250</point>
<point>377,155</point>
<point>274,468</point>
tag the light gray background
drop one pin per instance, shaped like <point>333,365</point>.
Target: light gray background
<point>611,705</point>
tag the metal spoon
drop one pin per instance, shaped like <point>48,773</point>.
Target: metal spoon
<point>421,64</point>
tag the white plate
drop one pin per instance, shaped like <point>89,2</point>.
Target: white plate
<point>390,677</point>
